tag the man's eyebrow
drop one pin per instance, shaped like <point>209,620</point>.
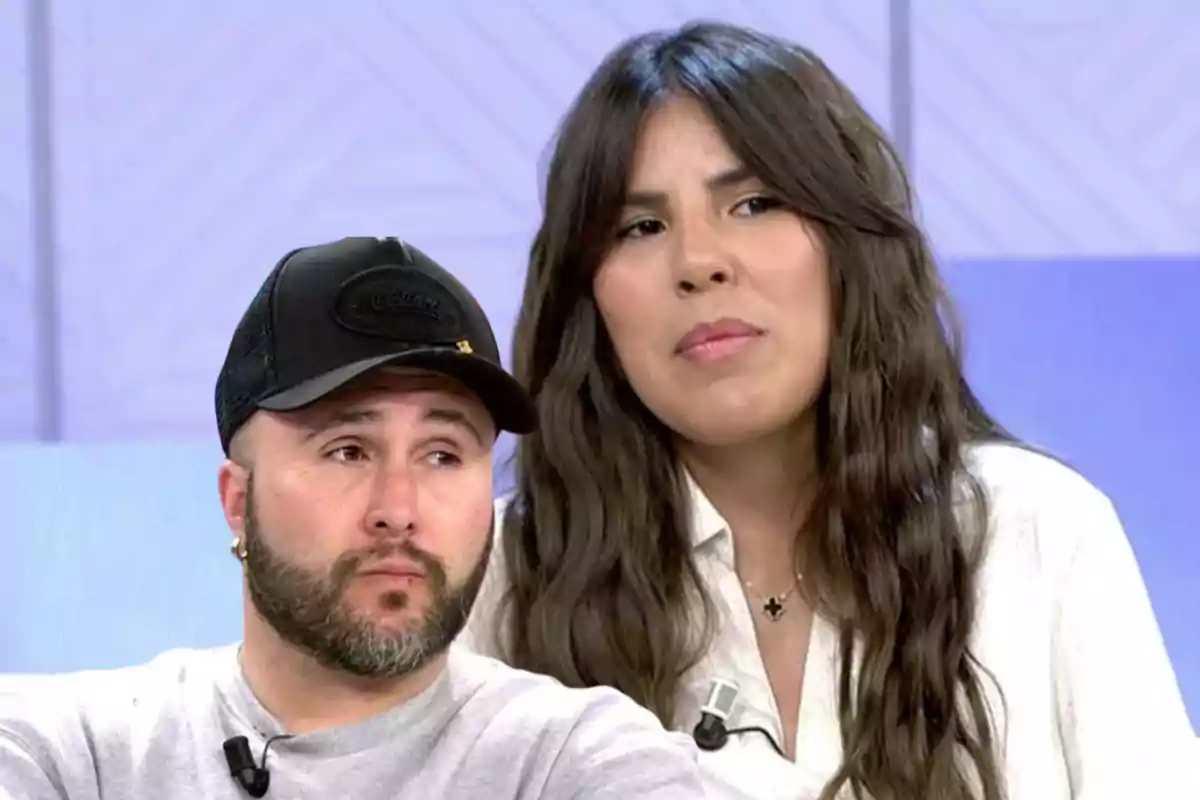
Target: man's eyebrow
<point>341,418</point>
<point>456,418</point>
<point>319,423</point>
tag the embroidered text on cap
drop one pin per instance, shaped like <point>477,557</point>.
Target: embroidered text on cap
<point>399,303</point>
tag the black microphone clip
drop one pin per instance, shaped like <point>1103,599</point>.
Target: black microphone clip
<point>710,733</point>
<point>713,732</point>
<point>254,779</point>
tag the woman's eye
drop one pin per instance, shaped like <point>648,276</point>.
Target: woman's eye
<point>753,206</point>
<point>640,228</point>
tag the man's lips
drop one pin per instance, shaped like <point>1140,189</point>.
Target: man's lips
<point>395,569</point>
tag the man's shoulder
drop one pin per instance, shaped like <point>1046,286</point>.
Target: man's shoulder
<point>543,703</point>
<point>544,696</point>
<point>52,712</point>
<point>163,672</point>
<point>601,744</point>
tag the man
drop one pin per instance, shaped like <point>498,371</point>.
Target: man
<point>358,407</point>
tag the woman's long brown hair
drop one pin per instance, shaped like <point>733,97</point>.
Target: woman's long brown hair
<point>604,589</point>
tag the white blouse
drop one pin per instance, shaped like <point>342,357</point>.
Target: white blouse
<point>1091,706</point>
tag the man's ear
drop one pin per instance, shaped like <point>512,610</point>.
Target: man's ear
<point>233,485</point>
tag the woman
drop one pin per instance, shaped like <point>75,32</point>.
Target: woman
<point>759,461</point>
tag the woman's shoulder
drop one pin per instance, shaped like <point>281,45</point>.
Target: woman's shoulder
<point>1037,500</point>
<point>1013,472</point>
<point>499,506</point>
<point>1029,474</point>
<point>482,631</point>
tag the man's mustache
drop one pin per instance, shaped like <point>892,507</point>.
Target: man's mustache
<point>348,564</point>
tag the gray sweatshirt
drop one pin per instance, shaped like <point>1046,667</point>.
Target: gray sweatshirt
<point>482,730</point>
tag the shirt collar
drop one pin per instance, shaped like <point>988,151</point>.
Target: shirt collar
<point>706,522</point>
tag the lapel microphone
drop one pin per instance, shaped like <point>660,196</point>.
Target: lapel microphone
<point>712,732</point>
<point>253,778</point>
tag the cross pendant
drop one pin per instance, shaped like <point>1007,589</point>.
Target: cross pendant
<point>773,608</point>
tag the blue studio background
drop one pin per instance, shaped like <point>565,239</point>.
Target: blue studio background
<point>159,158</point>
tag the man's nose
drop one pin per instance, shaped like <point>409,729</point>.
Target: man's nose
<point>393,507</point>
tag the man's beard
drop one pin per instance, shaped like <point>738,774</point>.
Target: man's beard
<point>309,610</point>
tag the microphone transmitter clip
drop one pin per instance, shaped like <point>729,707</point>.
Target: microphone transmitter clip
<point>254,779</point>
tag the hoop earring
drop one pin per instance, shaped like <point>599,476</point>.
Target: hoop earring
<point>235,547</point>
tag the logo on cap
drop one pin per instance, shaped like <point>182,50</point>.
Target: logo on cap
<point>399,303</point>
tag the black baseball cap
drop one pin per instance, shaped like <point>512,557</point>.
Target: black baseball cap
<point>329,313</point>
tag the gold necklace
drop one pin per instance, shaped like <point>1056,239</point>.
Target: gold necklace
<point>772,605</point>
